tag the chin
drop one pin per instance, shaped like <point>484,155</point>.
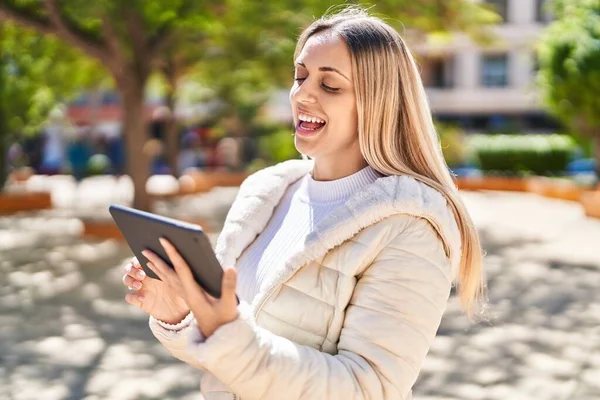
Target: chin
<point>303,147</point>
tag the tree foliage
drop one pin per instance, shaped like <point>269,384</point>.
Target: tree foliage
<point>36,73</point>
<point>569,75</point>
<point>130,39</point>
<point>238,47</point>
<point>249,49</point>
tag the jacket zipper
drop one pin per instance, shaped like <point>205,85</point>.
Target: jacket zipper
<point>434,224</point>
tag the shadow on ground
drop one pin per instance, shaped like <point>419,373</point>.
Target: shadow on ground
<point>539,337</point>
<point>66,333</point>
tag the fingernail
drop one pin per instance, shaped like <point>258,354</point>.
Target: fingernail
<point>137,285</point>
<point>141,275</point>
<point>150,265</point>
<point>145,253</point>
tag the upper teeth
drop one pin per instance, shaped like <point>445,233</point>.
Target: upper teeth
<point>308,118</point>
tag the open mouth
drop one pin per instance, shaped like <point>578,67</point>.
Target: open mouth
<point>309,125</point>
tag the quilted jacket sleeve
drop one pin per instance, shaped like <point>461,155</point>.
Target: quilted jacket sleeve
<point>389,325</point>
<point>176,341</point>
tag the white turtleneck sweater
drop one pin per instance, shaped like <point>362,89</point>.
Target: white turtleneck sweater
<point>304,204</point>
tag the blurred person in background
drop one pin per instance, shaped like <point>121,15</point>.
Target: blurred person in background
<point>115,151</point>
<point>188,156</point>
<point>344,262</point>
<point>228,154</point>
<point>15,157</point>
<point>54,149</point>
<point>193,154</point>
<point>155,149</point>
<point>79,153</point>
<point>33,148</point>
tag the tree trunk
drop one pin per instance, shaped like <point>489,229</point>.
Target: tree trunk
<point>171,133</point>
<point>135,135</point>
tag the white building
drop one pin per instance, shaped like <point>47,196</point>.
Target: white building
<point>489,87</point>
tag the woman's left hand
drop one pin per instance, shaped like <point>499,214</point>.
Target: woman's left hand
<point>210,313</point>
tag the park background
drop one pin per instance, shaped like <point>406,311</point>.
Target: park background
<point>168,105</point>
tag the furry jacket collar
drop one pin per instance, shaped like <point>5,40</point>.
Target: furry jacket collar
<point>262,191</point>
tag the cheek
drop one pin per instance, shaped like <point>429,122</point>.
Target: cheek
<point>343,110</point>
<point>352,124</point>
<point>347,118</point>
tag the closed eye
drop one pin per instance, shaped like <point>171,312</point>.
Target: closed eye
<point>329,88</point>
<point>324,86</point>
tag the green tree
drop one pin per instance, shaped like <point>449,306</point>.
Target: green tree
<point>569,75</point>
<point>244,59</point>
<point>250,41</point>
<point>129,38</point>
<point>36,73</point>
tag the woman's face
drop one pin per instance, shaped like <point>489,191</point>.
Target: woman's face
<point>323,100</point>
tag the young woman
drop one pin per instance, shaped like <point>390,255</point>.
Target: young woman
<point>343,263</point>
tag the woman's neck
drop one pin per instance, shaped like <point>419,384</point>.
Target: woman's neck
<point>330,170</point>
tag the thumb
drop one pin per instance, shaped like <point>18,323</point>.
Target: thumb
<point>228,286</point>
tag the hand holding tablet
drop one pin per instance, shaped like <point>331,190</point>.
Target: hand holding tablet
<point>180,256</point>
<point>142,231</point>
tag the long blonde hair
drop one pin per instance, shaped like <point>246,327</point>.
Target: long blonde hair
<point>395,127</point>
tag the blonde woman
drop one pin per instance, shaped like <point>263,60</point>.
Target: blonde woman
<point>343,263</point>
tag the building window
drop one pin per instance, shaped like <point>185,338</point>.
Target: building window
<point>439,73</point>
<point>501,7</point>
<point>542,12</point>
<point>494,70</point>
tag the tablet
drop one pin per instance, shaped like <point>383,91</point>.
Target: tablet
<point>142,231</point>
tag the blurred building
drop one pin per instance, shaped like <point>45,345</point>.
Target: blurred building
<point>101,109</point>
<point>489,88</point>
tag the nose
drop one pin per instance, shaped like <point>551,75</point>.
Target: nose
<point>302,93</point>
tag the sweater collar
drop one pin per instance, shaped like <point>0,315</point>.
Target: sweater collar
<point>338,190</point>
<point>261,192</point>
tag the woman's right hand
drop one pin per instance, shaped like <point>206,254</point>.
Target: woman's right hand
<point>153,296</point>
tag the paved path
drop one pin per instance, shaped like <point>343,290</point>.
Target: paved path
<point>66,333</point>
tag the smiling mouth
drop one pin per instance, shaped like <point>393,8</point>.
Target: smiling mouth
<point>309,128</point>
<point>309,124</point>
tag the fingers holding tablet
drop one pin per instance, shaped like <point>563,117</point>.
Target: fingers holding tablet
<point>132,283</point>
<point>163,270</point>
<point>134,275</point>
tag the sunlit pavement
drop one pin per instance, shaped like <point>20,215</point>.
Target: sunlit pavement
<point>66,333</point>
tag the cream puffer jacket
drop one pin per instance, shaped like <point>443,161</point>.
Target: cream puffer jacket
<point>351,315</point>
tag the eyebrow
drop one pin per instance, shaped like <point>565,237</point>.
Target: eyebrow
<point>327,69</point>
